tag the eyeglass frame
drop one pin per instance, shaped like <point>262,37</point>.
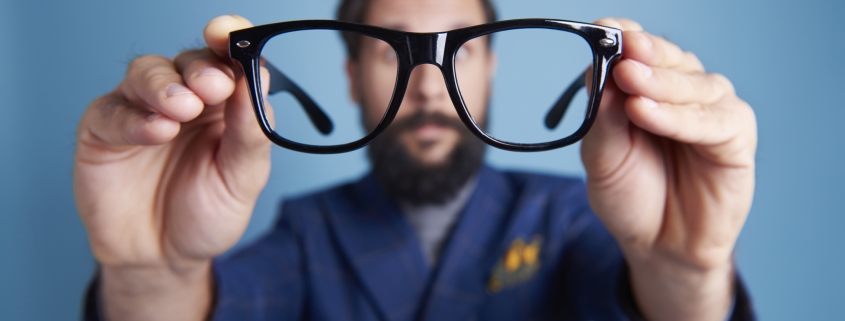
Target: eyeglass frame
<point>414,49</point>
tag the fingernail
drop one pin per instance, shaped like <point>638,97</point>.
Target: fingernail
<point>265,82</point>
<point>175,89</point>
<point>225,16</point>
<point>644,70</point>
<point>648,102</point>
<point>611,22</point>
<point>646,39</point>
<point>153,116</point>
<point>210,71</point>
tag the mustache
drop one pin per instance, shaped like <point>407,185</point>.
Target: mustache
<point>406,180</point>
<point>420,118</point>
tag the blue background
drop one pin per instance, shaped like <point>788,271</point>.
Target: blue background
<point>784,58</point>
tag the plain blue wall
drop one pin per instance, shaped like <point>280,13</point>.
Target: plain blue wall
<point>784,58</point>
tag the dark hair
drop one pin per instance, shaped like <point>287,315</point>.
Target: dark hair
<point>356,10</point>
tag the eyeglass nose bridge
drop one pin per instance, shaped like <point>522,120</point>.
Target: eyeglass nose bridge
<point>427,48</point>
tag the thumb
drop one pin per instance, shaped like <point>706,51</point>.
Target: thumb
<point>217,31</point>
<point>608,142</point>
<point>244,154</point>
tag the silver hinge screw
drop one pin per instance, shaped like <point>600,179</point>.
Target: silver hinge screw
<point>243,44</point>
<point>606,42</point>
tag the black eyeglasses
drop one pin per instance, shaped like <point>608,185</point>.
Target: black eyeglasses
<point>397,53</point>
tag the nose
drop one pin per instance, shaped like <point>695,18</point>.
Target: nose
<point>427,90</point>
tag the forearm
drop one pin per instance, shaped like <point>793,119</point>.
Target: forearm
<point>665,291</point>
<point>156,294</point>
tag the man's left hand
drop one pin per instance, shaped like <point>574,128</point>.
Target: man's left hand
<point>670,172</point>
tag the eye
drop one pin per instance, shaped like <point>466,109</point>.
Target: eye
<point>462,54</point>
<point>388,55</point>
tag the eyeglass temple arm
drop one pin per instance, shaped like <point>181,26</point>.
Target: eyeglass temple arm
<point>555,115</point>
<point>280,83</point>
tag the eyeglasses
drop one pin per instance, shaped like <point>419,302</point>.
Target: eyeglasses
<point>385,57</point>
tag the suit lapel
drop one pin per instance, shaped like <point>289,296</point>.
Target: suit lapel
<point>460,281</point>
<point>380,246</point>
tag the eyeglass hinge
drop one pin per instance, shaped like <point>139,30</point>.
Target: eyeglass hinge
<point>607,42</point>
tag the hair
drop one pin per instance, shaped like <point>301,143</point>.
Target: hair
<point>407,180</point>
<point>355,11</point>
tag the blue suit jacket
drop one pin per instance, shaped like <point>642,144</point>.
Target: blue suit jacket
<point>526,247</point>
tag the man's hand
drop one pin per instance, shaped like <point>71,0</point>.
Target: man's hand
<point>670,172</point>
<point>167,170</point>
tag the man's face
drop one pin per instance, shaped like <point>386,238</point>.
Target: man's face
<point>372,76</point>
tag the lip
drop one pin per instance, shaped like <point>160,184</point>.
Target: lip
<point>430,131</point>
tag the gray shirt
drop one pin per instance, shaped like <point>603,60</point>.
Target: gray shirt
<point>432,223</point>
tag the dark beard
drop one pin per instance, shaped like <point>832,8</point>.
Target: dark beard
<point>406,180</point>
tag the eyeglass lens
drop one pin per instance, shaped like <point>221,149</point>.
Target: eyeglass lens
<point>312,66</point>
<point>534,67</point>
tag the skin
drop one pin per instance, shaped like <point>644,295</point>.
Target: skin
<point>164,183</point>
<point>372,84</point>
<point>670,172</point>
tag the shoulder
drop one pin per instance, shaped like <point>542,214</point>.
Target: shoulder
<point>312,201</point>
<point>345,197</point>
<point>555,202</point>
<point>552,186</point>
<point>544,180</point>
<point>311,205</point>
<point>562,200</point>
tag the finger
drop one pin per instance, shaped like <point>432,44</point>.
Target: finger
<point>244,154</point>
<point>153,82</point>
<point>645,47</point>
<point>217,31</point>
<point>628,24</point>
<point>657,52</point>
<point>241,123</point>
<point>608,141</point>
<point>206,75</point>
<point>691,63</point>
<point>111,120</point>
<point>619,23</point>
<point>668,85</point>
<point>696,124</point>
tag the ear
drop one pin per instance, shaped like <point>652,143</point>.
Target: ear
<point>352,75</point>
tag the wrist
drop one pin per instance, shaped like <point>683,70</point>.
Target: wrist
<point>669,290</point>
<point>135,280</point>
<point>138,293</point>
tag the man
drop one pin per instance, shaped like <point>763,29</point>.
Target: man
<point>169,166</point>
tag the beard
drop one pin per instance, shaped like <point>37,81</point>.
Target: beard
<point>408,180</point>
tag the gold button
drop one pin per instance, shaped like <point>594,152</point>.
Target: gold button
<point>529,253</point>
<point>512,260</point>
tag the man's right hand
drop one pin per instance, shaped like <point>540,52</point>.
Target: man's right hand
<point>167,171</point>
